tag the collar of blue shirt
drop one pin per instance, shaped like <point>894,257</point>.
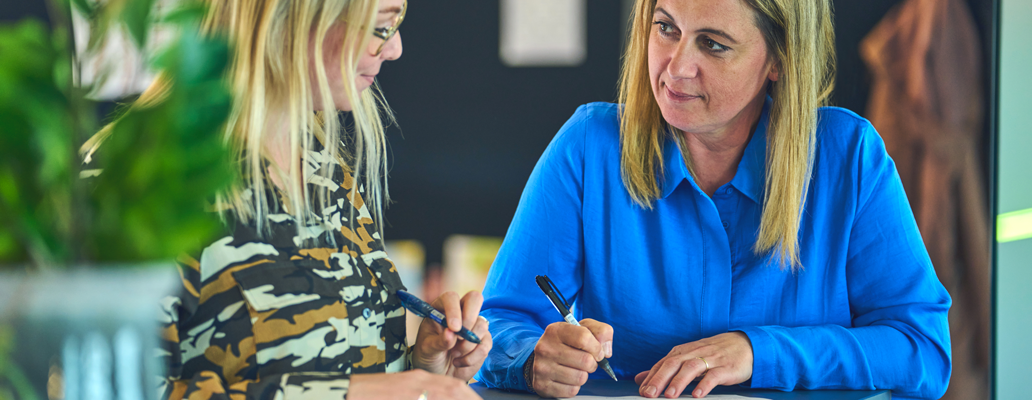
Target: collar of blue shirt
<point>751,174</point>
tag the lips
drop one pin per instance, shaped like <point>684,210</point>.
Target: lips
<point>679,96</point>
<point>368,79</point>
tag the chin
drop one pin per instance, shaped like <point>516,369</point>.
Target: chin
<point>680,119</point>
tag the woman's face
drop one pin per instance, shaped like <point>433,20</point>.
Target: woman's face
<point>368,62</point>
<point>708,64</point>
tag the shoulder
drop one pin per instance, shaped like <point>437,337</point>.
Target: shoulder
<point>844,136</point>
<point>592,126</point>
<point>841,129</point>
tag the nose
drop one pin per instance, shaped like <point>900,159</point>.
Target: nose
<point>392,49</point>
<point>684,62</point>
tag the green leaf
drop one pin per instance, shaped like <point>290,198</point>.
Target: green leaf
<point>137,18</point>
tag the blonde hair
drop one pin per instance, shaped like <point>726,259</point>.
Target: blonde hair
<point>800,38</point>
<point>269,76</point>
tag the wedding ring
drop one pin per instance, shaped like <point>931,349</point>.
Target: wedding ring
<point>704,362</point>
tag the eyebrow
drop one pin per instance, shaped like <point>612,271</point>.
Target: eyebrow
<point>718,32</point>
<point>712,31</point>
<point>392,10</point>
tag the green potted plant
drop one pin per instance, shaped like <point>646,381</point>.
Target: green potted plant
<point>144,198</point>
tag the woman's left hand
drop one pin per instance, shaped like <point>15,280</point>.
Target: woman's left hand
<point>441,350</point>
<point>729,357</point>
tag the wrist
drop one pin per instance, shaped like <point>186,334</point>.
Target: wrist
<point>528,372</point>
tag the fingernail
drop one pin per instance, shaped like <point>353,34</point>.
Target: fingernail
<point>609,348</point>
<point>601,355</point>
<point>650,390</point>
<point>670,392</point>
<point>698,393</point>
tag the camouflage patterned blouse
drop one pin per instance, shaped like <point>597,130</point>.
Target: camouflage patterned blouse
<point>268,318</point>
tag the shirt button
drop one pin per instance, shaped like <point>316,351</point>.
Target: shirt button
<point>726,224</point>
<point>366,313</point>
<point>727,191</point>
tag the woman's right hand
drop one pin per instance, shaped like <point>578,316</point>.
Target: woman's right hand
<point>408,385</point>
<point>566,354</point>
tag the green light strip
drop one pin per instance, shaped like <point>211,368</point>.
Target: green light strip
<point>1015,225</point>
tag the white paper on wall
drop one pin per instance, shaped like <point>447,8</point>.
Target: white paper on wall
<point>117,69</point>
<point>543,33</point>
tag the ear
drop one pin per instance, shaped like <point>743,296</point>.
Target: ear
<point>772,75</point>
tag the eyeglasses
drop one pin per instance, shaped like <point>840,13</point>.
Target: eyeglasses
<point>387,33</point>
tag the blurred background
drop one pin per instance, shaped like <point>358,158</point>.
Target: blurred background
<point>483,86</point>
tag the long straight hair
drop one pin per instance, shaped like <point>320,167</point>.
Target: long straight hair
<point>800,37</point>
<point>269,77</point>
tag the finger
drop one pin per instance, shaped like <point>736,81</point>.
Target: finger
<point>714,377</point>
<point>668,368</point>
<point>638,379</point>
<point>547,371</point>
<point>679,382</point>
<point>555,389</point>
<point>475,354</point>
<point>572,358</point>
<point>471,304</point>
<point>643,388</point>
<point>448,303</point>
<point>440,342</point>
<point>603,333</point>
<point>479,329</point>
<point>581,338</point>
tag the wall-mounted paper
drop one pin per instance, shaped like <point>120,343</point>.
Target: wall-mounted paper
<point>543,33</point>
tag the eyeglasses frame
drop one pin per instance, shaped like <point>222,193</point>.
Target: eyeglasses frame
<point>387,33</point>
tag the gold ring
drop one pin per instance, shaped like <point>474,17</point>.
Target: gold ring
<point>704,362</point>
<point>423,396</point>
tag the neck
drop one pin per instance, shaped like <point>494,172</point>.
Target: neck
<point>715,155</point>
<point>276,146</point>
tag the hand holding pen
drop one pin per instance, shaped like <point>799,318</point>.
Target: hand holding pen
<point>455,345</point>
<point>566,353</point>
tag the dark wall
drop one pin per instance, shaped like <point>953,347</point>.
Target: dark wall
<point>14,10</point>
<point>472,129</point>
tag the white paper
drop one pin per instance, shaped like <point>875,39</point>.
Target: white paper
<point>543,33</point>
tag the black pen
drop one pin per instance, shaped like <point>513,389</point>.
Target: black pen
<point>422,309</point>
<point>559,302</point>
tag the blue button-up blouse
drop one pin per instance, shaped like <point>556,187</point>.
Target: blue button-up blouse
<point>866,310</point>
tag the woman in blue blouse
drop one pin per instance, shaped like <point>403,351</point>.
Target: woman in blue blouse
<point>720,224</point>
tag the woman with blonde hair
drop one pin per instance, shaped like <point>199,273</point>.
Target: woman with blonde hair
<point>299,300</point>
<point>719,225</point>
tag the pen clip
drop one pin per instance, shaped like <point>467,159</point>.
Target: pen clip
<point>557,292</point>
<point>544,281</point>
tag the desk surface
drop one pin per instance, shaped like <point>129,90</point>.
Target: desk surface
<point>608,388</point>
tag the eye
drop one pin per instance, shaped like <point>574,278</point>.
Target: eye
<point>713,46</point>
<point>664,28</point>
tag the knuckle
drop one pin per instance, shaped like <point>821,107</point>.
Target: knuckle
<point>582,378</point>
<point>585,339</point>
<point>538,369</point>
<point>586,360</point>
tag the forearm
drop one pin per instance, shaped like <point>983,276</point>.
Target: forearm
<point>884,356</point>
<point>514,341</point>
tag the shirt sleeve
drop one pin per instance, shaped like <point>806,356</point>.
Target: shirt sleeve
<point>545,238</point>
<point>212,382</point>
<point>899,338</point>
